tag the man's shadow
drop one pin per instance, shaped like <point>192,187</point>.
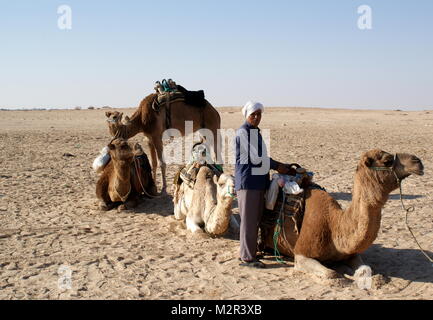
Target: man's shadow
<point>407,264</point>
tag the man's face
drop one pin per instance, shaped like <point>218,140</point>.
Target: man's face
<point>254,118</point>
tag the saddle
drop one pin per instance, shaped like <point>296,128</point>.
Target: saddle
<point>289,208</point>
<point>188,173</point>
<point>168,92</point>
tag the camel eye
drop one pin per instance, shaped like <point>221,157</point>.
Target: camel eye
<point>389,163</point>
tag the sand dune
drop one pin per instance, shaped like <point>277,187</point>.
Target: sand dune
<point>49,218</point>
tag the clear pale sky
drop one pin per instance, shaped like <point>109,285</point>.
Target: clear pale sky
<point>280,52</point>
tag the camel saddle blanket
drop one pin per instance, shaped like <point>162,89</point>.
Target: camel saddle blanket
<point>193,98</point>
<point>288,209</point>
<point>166,98</point>
<point>188,173</point>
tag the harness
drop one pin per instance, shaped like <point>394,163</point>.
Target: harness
<point>406,210</point>
<point>167,94</point>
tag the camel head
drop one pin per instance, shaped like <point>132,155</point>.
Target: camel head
<point>225,186</point>
<point>114,120</point>
<point>120,150</point>
<point>385,168</point>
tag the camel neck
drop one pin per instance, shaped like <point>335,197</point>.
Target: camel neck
<point>218,215</point>
<point>359,224</point>
<point>132,128</point>
<point>122,170</point>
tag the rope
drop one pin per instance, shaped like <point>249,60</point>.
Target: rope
<point>407,210</point>
<point>278,231</point>
<point>143,190</point>
<point>138,174</point>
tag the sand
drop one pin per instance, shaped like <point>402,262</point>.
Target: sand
<point>49,216</point>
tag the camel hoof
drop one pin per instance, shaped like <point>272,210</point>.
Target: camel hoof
<point>122,208</point>
<point>104,207</point>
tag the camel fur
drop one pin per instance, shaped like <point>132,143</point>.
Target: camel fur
<point>208,204</point>
<point>330,234</point>
<point>122,180</point>
<point>153,124</point>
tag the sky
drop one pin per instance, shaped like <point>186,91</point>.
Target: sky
<point>280,52</point>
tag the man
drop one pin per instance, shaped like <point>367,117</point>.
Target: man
<point>251,180</point>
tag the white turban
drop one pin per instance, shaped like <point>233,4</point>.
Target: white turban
<point>251,107</point>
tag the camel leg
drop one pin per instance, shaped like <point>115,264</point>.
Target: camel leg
<point>104,206</point>
<point>191,225</point>
<point>159,148</point>
<point>129,204</point>
<point>217,147</point>
<point>153,158</point>
<point>178,214</point>
<point>314,267</point>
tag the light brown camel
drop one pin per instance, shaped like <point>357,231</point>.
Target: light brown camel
<point>153,124</point>
<point>209,203</point>
<point>331,234</point>
<point>125,177</point>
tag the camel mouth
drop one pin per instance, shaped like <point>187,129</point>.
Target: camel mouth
<point>418,172</point>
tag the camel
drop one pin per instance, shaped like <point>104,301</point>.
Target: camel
<point>330,234</point>
<point>209,203</point>
<point>152,124</point>
<point>125,177</point>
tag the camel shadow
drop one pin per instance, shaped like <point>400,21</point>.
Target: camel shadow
<point>162,206</point>
<point>344,196</point>
<point>407,264</point>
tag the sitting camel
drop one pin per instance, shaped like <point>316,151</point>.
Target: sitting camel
<point>331,234</point>
<point>126,176</point>
<point>153,124</point>
<point>209,203</point>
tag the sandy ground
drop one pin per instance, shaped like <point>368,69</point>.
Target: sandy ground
<point>49,218</point>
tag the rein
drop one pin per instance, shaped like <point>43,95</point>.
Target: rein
<point>406,210</point>
<point>143,190</point>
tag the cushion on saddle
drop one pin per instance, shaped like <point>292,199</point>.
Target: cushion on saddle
<point>188,173</point>
<point>193,98</point>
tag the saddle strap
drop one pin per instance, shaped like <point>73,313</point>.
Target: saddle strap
<point>167,112</point>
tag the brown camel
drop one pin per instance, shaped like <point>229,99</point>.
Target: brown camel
<point>153,124</point>
<point>125,177</point>
<point>331,234</point>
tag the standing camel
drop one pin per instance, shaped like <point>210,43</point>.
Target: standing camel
<point>153,124</point>
<point>329,233</point>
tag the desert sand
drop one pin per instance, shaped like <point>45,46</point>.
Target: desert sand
<point>49,216</point>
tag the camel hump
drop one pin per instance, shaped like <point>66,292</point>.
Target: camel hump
<point>169,92</point>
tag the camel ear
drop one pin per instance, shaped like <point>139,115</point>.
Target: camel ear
<point>108,114</point>
<point>120,116</point>
<point>215,179</point>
